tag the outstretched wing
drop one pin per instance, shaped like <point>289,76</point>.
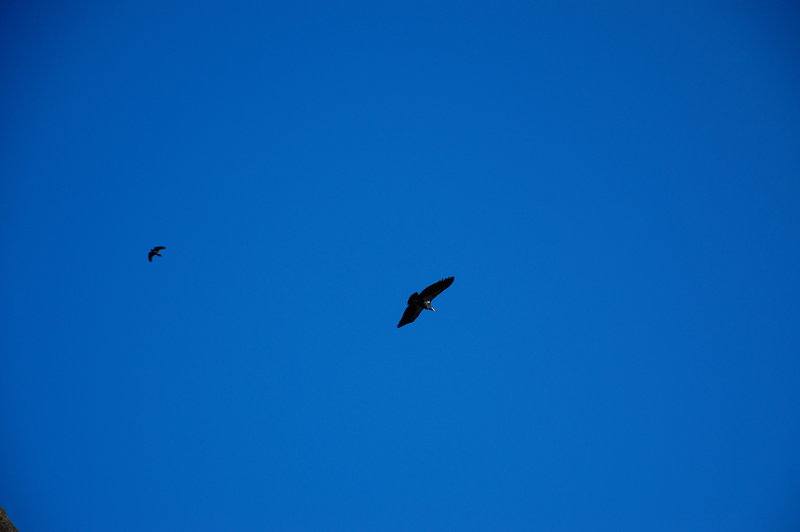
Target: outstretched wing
<point>436,288</point>
<point>150,256</point>
<point>411,313</point>
<point>158,248</point>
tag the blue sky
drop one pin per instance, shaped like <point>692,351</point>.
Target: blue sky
<point>614,187</point>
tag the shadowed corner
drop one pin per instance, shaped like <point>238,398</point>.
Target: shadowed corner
<point>5,523</point>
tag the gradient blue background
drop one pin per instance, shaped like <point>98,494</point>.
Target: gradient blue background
<point>615,188</point>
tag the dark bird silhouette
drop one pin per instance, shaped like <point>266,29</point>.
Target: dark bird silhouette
<point>417,302</point>
<point>154,253</point>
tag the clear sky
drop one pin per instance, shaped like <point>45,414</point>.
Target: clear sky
<point>614,185</point>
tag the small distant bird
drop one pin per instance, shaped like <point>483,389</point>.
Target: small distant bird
<point>417,302</point>
<point>155,253</point>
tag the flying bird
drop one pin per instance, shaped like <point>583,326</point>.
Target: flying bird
<point>417,302</point>
<point>154,252</point>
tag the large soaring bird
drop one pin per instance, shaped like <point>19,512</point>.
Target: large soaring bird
<point>417,302</point>
<point>154,253</point>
